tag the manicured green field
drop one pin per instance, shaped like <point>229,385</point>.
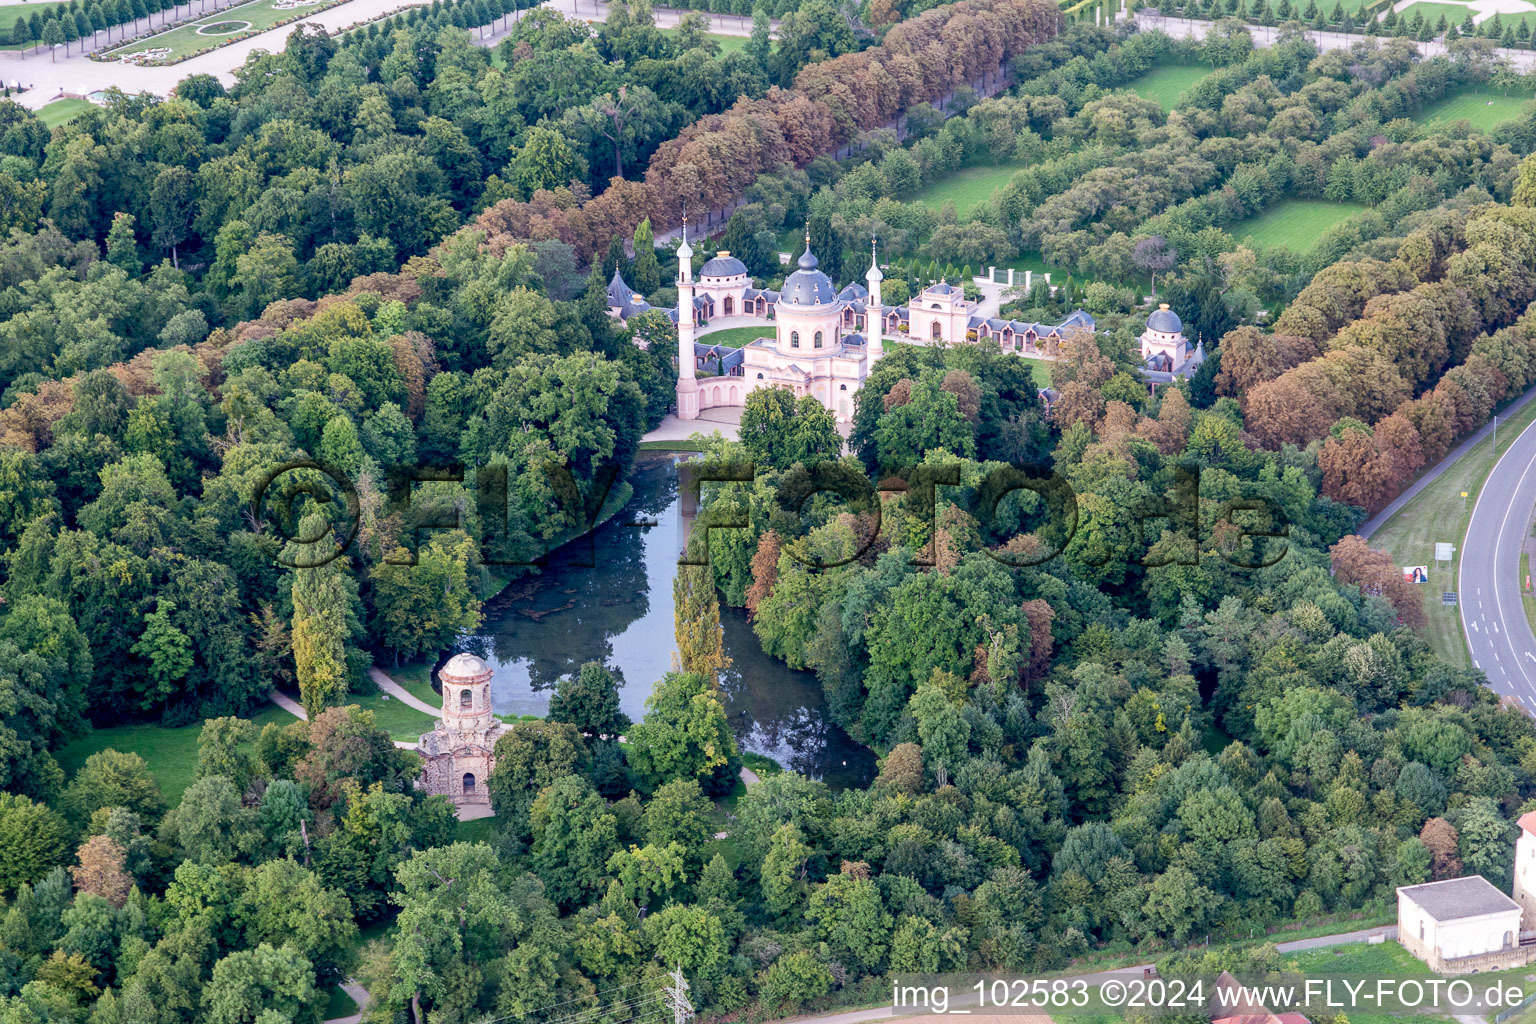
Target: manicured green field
<point>395,717</point>
<point>62,112</point>
<point>735,337</point>
<point>1166,85</point>
<point>478,830</point>
<point>186,41</point>
<point>9,13</point>
<point>171,753</point>
<point>1455,14</point>
<point>967,188</point>
<point>1294,223</point>
<point>338,1003</point>
<point>1040,369</point>
<point>728,44</point>
<point>1485,109</point>
<point>1362,960</point>
<point>416,679</point>
<point>1440,513</point>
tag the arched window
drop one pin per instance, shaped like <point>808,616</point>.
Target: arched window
<point>794,339</point>
<point>818,339</point>
<point>469,783</point>
<point>842,387</point>
<point>759,376</point>
<point>938,332</point>
<point>466,699</point>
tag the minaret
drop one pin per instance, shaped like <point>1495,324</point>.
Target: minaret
<point>874,312</point>
<point>687,384</point>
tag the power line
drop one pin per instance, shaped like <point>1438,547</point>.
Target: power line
<point>677,995</point>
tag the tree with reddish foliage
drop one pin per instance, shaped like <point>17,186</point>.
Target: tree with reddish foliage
<point>1039,614</point>
<point>1170,430</point>
<point>101,870</point>
<point>1079,403</point>
<point>1248,357</point>
<point>1444,843</point>
<point>963,386</point>
<point>1354,562</point>
<point>1296,406</point>
<point>765,570</point>
<point>1369,468</point>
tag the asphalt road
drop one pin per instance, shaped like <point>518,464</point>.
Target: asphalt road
<point>1492,616</point>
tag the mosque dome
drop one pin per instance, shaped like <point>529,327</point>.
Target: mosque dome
<point>1165,321</point>
<point>807,286</point>
<point>723,265</point>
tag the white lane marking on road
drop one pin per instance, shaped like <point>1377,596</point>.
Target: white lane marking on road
<point>1498,537</point>
<point>1473,624</point>
<point>1496,625</point>
<point>1528,654</point>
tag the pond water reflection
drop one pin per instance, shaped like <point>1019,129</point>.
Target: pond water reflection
<point>619,611</point>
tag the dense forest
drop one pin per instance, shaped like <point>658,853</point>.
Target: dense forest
<point>392,248</point>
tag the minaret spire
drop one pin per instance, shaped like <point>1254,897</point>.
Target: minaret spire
<point>687,384</point>
<point>874,311</point>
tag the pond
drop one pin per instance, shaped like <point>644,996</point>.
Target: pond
<point>617,609</point>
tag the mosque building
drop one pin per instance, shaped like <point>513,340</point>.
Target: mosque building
<point>1166,353</point>
<point>823,341</point>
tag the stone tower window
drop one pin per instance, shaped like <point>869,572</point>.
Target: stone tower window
<point>794,339</point>
<point>466,699</point>
<point>818,339</point>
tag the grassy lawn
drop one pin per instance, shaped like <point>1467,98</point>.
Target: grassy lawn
<point>415,678</point>
<point>11,13</point>
<point>1294,223</point>
<point>171,753</point>
<point>1041,369</point>
<point>967,188</point>
<point>671,446</point>
<point>62,111</point>
<point>1527,599</point>
<point>231,23</point>
<point>338,1004</point>
<point>728,44</point>
<point>736,337</point>
<point>394,717</point>
<point>1485,109</point>
<point>1440,513</point>
<point>1455,14</point>
<point>1166,85</point>
<point>1030,261</point>
<point>1362,960</point>
<point>480,830</point>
